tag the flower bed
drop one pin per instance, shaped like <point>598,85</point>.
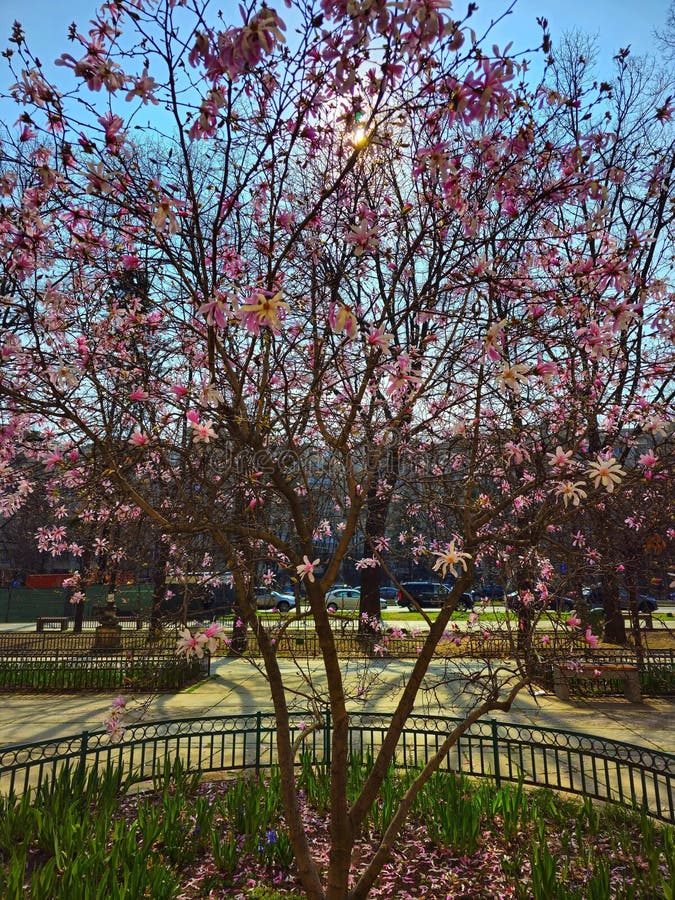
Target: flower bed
<point>190,839</point>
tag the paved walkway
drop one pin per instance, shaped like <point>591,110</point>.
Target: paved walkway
<point>235,686</point>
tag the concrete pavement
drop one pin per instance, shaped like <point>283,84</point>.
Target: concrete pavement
<point>235,686</point>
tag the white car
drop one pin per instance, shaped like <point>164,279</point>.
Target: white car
<point>275,600</point>
<point>346,598</point>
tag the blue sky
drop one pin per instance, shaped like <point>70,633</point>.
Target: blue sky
<point>616,23</point>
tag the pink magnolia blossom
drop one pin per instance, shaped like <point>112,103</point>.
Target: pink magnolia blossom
<point>238,49</point>
<point>516,453</point>
<point>342,319</point>
<point>114,136</point>
<point>363,237</point>
<point>648,460</point>
<point>378,339</point>
<point>101,545</point>
<point>144,87</point>
<point>545,370</point>
<point>216,312</point>
<point>165,217</point>
<point>191,645</point>
<point>114,727</point>
<point>139,439</point>
<point>214,635</point>
<point>591,639</point>
<point>263,311</point>
<point>306,568</point>
<point>494,340</point>
<point>512,377</point>
<point>368,562</point>
<point>561,458</point>
<point>203,432</point>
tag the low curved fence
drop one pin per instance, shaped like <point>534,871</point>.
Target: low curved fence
<point>563,761</point>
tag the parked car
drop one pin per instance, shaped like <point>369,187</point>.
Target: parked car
<point>347,598</point>
<point>268,599</point>
<point>489,592</point>
<point>595,598</point>
<point>388,593</point>
<point>554,602</point>
<point>430,594</point>
<point>560,603</point>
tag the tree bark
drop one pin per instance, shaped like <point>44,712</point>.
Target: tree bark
<point>158,590</point>
<point>377,511</point>
<point>615,627</point>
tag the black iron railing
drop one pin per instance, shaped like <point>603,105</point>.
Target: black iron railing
<point>55,671</point>
<point>564,761</point>
<point>37,643</point>
<point>656,669</point>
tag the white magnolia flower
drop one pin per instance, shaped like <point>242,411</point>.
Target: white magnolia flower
<point>512,376</point>
<point>449,559</point>
<point>571,492</point>
<point>605,472</point>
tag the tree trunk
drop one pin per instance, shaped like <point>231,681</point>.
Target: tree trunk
<point>307,870</point>
<point>634,614</point>
<point>79,616</point>
<point>615,628</point>
<point>239,630</point>
<point>158,590</point>
<point>341,833</point>
<point>377,511</point>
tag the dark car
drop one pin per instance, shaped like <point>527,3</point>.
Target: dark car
<point>489,592</point>
<point>595,598</point>
<point>430,594</point>
<point>388,593</point>
<point>560,603</point>
<point>554,602</point>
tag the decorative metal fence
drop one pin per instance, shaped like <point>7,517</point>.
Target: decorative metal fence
<point>563,761</point>
<point>656,669</point>
<point>53,671</point>
<point>300,639</point>
<point>37,643</point>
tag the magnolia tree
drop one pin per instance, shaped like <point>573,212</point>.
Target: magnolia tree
<point>354,287</point>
